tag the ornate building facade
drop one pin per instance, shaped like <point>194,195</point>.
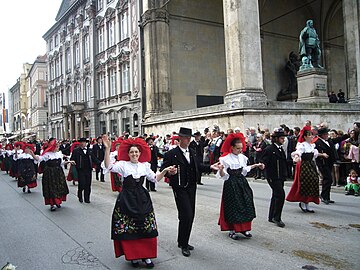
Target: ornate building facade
<point>92,50</point>
<point>223,61</point>
<point>37,100</point>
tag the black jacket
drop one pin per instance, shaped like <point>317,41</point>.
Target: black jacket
<point>188,172</point>
<point>98,153</point>
<point>83,161</point>
<point>275,163</point>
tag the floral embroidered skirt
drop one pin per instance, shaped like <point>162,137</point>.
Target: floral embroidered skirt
<point>134,228</point>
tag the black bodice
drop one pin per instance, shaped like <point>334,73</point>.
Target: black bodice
<point>53,162</point>
<point>236,172</point>
<point>307,156</point>
<point>130,182</point>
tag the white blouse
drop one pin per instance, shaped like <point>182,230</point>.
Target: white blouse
<point>52,155</point>
<point>305,147</point>
<point>25,156</point>
<point>233,162</point>
<point>126,168</point>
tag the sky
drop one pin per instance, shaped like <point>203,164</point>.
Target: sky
<point>22,25</point>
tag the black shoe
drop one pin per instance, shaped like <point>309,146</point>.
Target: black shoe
<point>246,234</point>
<point>24,189</point>
<point>87,201</point>
<point>325,201</point>
<point>279,223</point>
<point>348,193</point>
<point>135,264</point>
<point>102,180</point>
<point>58,206</point>
<point>153,190</point>
<point>52,208</point>
<point>310,211</point>
<point>302,209</point>
<point>200,184</point>
<point>148,265</point>
<point>190,247</point>
<point>331,201</point>
<point>80,200</point>
<point>270,220</point>
<point>29,191</point>
<point>234,236</point>
<point>185,251</point>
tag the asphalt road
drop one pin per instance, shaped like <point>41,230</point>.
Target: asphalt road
<point>77,236</point>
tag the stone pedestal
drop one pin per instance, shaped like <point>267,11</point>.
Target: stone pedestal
<point>312,85</point>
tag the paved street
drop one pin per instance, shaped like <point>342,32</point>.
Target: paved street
<point>77,236</point>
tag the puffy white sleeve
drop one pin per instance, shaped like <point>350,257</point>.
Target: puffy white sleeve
<point>43,158</point>
<point>150,175</point>
<point>226,166</point>
<point>300,149</point>
<point>115,167</point>
<point>316,153</point>
<point>245,168</point>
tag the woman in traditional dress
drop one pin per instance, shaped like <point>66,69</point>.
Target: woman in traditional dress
<point>54,184</point>
<point>18,149</point>
<point>115,178</point>
<point>237,208</point>
<point>305,188</point>
<point>7,157</point>
<point>26,168</point>
<point>72,174</point>
<point>134,228</point>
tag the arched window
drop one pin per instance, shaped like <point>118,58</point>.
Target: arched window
<point>78,93</point>
<point>87,89</point>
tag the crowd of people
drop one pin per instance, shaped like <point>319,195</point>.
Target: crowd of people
<point>311,155</point>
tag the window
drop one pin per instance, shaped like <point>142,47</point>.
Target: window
<point>56,40</point>
<point>57,67</point>
<point>87,89</point>
<point>101,85</point>
<point>69,96</point>
<point>68,60</point>
<point>99,4</point>
<point>78,93</point>
<point>77,54</point>
<point>111,33</point>
<point>50,45</point>
<point>52,72</point>
<point>112,82</point>
<point>125,80</point>
<point>101,39</point>
<point>86,48</point>
<point>124,31</point>
<point>58,102</point>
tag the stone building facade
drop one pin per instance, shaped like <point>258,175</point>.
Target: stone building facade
<point>223,61</point>
<point>37,100</point>
<point>18,104</point>
<point>92,49</point>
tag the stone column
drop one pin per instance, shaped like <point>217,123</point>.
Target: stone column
<point>66,126</point>
<point>351,15</point>
<point>243,54</point>
<point>71,126</point>
<point>155,23</point>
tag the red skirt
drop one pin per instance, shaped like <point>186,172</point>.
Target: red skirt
<point>145,248</point>
<point>55,201</point>
<point>294,194</point>
<point>237,227</point>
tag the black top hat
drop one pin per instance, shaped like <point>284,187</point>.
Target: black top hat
<point>197,133</point>
<point>82,140</point>
<point>185,132</point>
<point>149,138</point>
<point>323,130</point>
<point>278,132</point>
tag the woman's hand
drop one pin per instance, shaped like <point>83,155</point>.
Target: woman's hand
<point>106,141</point>
<point>217,166</point>
<point>261,166</point>
<point>171,170</point>
<point>296,159</point>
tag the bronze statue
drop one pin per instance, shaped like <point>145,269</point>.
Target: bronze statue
<point>309,47</point>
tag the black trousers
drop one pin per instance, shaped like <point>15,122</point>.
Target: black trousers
<point>277,199</point>
<point>327,181</point>
<point>84,180</point>
<point>99,170</point>
<point>150,185</point>
<point>185,203</point>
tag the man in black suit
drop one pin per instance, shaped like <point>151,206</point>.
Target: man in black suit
<point>198,146</point>
<point>325,163</point>
<point>153,162</point>
<point>83,164</point>
<point>98,153</point>
<point>276,172</point>
<point>183,184</point>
